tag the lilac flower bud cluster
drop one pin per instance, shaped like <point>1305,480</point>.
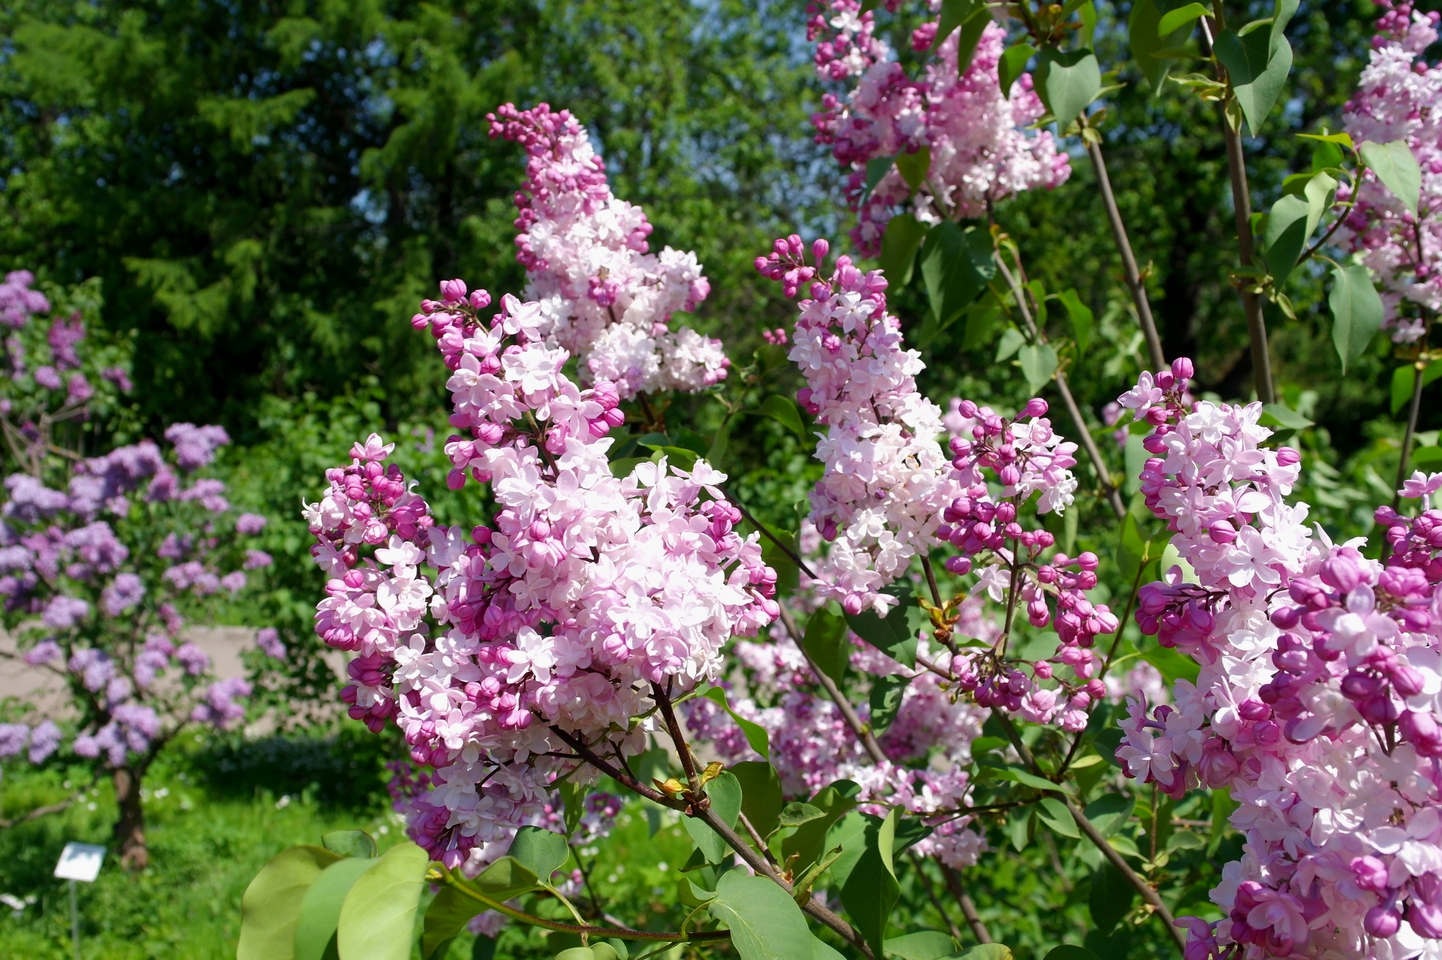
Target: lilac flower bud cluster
<point>496,649</point>
<point>93,598</point>
<point>927,745</point>
<point>985,523</point>
<point>980,147</point>
<point>1316,702</point>
<point>1399,97</point>
<point>886,481</point>
<point>603,298</point>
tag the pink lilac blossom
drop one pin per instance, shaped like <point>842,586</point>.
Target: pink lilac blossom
<point>496,649</point>
<point>981,150</point>
<point>1399,97</point>
<point>886,480</point>
<point>603,297</point>
<point>1316,704</point>
<point>927,745</point>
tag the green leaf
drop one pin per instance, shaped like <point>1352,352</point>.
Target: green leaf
<point>870,890</point>
<point>1289,224</point>
<point>1257,71</point>
<point>783,411</point>
<point>1111,897</point>
<point>506,878</point>
<point>1403,380</point>
<point>1280,415</point>
<point>1320,191</point>
<point>1396,166</point>
<point>1356,312</point>
<point>725,794</point>
<point>899,244</point>
<point>760,794</point>
<point>956,266</point>
<point>270,908</point>
<point>1038,364</point>
<point>1029,779</point>
<point>895,634</point>
<point>885,700</point>
<point>573,803</point>
<point>445,918</point>
<point>765,923</point>
<point>1018,828</point>
<point>1068,952</point>
<point>754,733</point>
<point>1173,666</point>
<point>1142,36</point>
<point>971,32</point>
<point>876,168</point>
<point>596,951</point>
<point>1181,17</point>
<point>827,644</point>
<point>808,842</point>
<point>985,951</point>
<point>350,843</point>
<point>1427,458</point>
<point>1109,813</point>
<point>795,813</point>
<point>379,913</point>
<point>1068,81</point>
<point>926,945</point>
<point>1281,16</point>
<point>954,13</point>
<point>914,166</point>
<point>1011,341</point>
<point>1054,814</point>
<point>540,851</point>
<point>320,907</point>
<point>1013,62</point>
<point>1131,553</point>
<point>1082,319</point>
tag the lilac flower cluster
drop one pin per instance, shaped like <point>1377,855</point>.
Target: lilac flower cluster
<point>927,746</point>
<point>603,298</point>
<point>1399,97</point>
<point>48,379</point>
<point>499,648</point>
<point>1316,703</point>
<point>980,149</point>
<point>89,606</point>
<point>886,481</point>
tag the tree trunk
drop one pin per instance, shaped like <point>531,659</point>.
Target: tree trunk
<point>130,828</point>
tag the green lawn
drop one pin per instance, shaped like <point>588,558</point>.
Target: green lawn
<point>217,813</point>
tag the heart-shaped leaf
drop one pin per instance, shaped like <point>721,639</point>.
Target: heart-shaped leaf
<point>1013,61</point>
<point>1396,166</point>
<point>540,851</point>
<point>899,244</point>
<point>1257,70</point>
<point>270,908</point>
<point>765,923</point>
<point>1356,312</point>
<point>1068,81</point>
<point>379,913</point>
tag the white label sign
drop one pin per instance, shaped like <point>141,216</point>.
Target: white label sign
<point>80,861</point>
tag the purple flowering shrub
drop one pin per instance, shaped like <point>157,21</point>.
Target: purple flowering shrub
<point>104,560</point>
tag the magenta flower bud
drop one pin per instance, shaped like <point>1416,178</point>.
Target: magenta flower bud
<point>1421,730</point>
<point>1407,681</point>
<point>1035,407</point>
<point>1382,922</point>
<point>1223,531</point>
<point>854,603</point>
<point>1286,618</point>
<point>959,566</point>
<point>1425,919</point>
<point>820,248</point>
<point>453,291</point>
<point>1182,368</point>
<point>480,299</point>
<point>1286,456</point>
<point>1342,572</point>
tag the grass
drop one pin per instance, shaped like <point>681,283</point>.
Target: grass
<point>209,830</point>
<point>217,811</point>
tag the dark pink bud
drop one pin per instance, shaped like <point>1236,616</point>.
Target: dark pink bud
<point>1382,922</point>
